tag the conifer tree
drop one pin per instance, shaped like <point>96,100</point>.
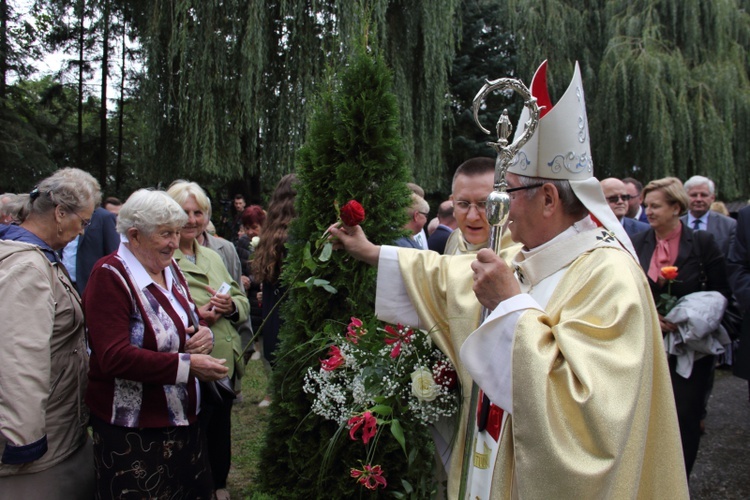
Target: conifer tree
<point>353,150</point>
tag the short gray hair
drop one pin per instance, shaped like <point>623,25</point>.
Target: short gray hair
<point>147,209</point>
<point>72,188</point>
<point>570,202</point>
<point>699,180</point>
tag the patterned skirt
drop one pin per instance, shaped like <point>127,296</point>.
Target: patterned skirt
<point>163,463</point>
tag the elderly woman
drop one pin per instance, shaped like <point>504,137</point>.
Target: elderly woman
<point>46,452</point>
<point>145,359</point>
<point>701,267</point>
<point>205,273</point>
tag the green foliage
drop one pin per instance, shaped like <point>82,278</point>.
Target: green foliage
<point>487,51</point>
<point>353,151</point>
<point>666,81</point>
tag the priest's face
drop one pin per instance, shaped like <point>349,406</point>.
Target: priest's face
<point>469,198</point>
<point>525,213</point>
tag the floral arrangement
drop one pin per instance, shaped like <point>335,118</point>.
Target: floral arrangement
<point>376,378</point>
<point>667,301</point>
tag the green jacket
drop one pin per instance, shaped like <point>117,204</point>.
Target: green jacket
<point>209,270</point>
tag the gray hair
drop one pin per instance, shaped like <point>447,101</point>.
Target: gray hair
<point>570,203</point>
<point>418,204</point>
<point>72,188</point>
<point>147,209</point>
<point>699,180</point>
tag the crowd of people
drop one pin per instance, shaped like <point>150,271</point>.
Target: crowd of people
<point>131,319</point>
<point>124,359</point>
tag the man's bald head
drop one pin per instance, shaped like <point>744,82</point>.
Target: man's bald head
<point>616,194</point>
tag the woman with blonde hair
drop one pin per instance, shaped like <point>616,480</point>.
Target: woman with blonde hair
<point>46,452</point>
<point>222,311</point>
<point>700,267</point>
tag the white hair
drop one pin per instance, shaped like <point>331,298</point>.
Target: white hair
<point>699,180</point>
<point>147,209</point>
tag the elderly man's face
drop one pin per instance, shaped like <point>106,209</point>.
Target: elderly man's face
<point>617,196</point>
<point>469,198</point>
<point>634,202</point>
<point>700,200</point>
<point>525,213</point>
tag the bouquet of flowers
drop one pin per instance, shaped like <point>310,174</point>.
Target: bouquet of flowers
<point>374,378</point>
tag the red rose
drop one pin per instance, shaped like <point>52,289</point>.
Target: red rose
<point>352,214</point>
<point>669,273</point>
<point>445,375</point>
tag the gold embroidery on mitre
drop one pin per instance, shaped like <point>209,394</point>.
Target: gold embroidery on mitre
<point>481,460</point>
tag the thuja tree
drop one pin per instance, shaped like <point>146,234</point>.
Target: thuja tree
<point>353,150</point>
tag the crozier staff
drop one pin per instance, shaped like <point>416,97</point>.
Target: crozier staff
<point>145,359</point>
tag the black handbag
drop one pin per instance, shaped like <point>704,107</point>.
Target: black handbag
<point>732,319</point>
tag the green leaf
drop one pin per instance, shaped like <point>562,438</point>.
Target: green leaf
<point>407,486</point>
<point>325,254</point>
<point>307,259</point>
<point>382,410</point>
<point>398,433</point>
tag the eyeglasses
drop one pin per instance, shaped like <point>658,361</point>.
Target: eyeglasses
<point>84,222</point>
<point>623,197</point>
<point>424,213</point>
<point>465,206</point>
<point>521,188</point>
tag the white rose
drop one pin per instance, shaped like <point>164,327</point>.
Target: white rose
<point>254,242</point>
<point>423,386</point>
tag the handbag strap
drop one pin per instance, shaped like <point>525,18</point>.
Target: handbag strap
<point>702,277</point>
<point>190,312</point>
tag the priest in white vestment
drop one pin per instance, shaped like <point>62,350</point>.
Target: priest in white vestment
<point>571,352</point>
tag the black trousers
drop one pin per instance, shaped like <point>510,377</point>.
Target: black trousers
<point>689,396</point>
<point>216,421</point>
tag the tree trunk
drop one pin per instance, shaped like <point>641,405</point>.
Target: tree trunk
<point>3,47</point>
<point>81,40</point>
<point>121,110</point>
<point>103,109</point>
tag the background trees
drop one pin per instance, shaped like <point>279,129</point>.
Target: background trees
<point>220,92</point>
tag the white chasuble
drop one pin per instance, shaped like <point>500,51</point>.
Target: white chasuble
<point>576,362</point>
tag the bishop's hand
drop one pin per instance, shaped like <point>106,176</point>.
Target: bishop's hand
<point>494,281</point>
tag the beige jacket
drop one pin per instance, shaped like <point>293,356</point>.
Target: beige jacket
<point>43,361</point>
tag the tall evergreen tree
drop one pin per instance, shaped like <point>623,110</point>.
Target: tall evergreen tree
<point>353,150</point>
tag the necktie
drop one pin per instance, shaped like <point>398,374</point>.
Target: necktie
<point>697,224</point>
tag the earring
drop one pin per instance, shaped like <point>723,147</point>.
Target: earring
<point>59,229</point>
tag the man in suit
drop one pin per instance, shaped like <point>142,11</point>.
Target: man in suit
<point>616,194</point>
<point>417,212</point>
<point>100,239</point>
<point>446,224</point>
<point>739,278</point>
<point>635,204</point>
<point>701,193</point>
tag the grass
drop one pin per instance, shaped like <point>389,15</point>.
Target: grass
<point>248,431</point>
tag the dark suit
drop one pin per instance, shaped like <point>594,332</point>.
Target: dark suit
<point>695,247</point>
<point>633,226</point>
<point>99,239</point>
<point>739,277</point>
<point>437,240</point>
<point>722,227</point>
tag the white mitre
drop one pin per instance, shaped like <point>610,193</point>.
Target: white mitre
<point>561,149</point>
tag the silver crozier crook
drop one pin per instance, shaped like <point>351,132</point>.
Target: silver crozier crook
<point>498,206</point>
